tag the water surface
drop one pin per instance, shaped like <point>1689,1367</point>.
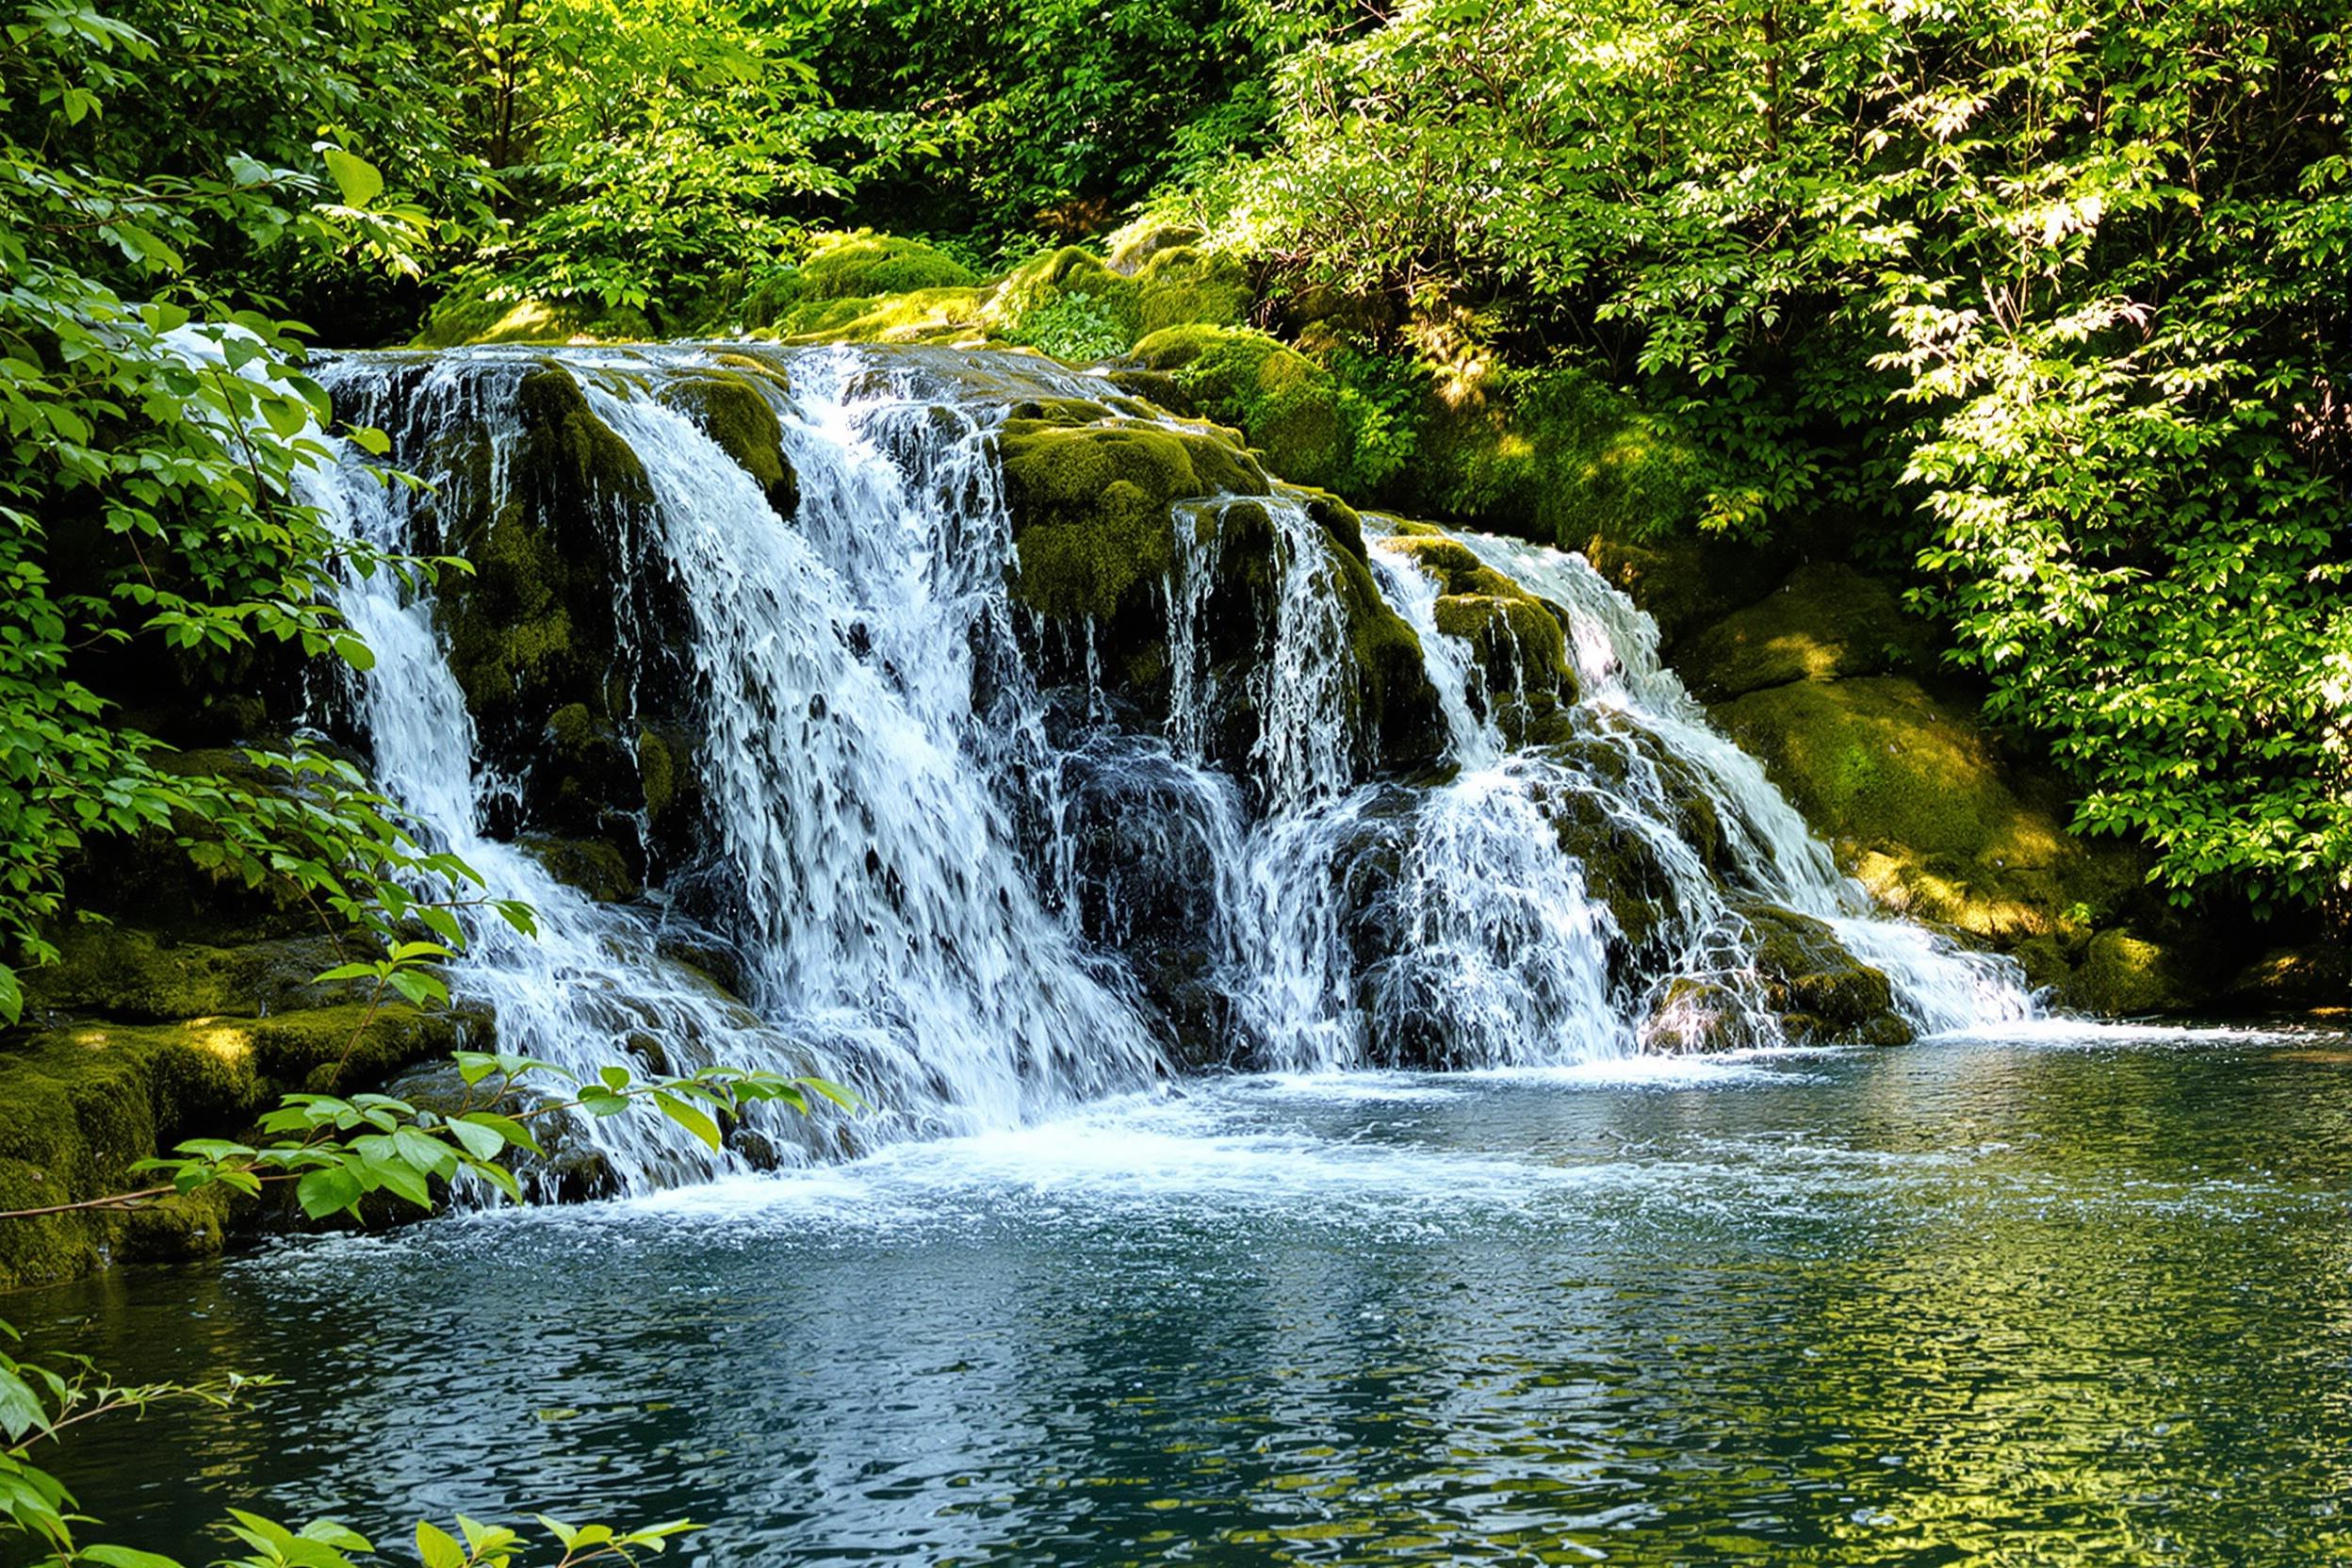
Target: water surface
<point>2048,1299</point>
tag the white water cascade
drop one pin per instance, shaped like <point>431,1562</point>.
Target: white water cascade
<point>951,888</point>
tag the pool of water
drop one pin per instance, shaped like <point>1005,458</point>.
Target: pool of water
<point>2055,1297</point>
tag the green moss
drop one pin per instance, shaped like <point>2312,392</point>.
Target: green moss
<point>733,413</point>
<point>1919,806</point>
<point>1090,506</point>
<point>1825,622</point>
<point>1048,282</point>
<point>1519,641</point>
<point>78,1105</point>
<point>1182,287</point>
<point>1558,455</point>
<point>921,316</point>
<point>531,628</point>
<point>1129,249</point>
<point>867,264</point>
<point>592,865</point>
<point>1822,992</point>
<point>1286,404</point>
<point>1877,760</point>
<point>1400,710</point>
<point>136,975</point>
<point>657,770</point>
<point>2121,977</point>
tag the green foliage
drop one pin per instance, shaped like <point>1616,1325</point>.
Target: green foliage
<point>648,145</point>
<point>1049,118</point>
<point>1076,326</point>
<point>1349,432</point>
<point>337,1152</point>
<point>148,485</point>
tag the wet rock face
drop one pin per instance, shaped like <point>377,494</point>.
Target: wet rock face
<point>1143,840</point>
<point>577,688</point>
<point>1133,535</point>
<point>1822,992</point>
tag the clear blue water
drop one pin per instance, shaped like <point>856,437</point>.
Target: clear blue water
<point>2050,1299</point>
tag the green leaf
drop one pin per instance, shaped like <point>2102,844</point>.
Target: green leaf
<point>21,1410</point>
<point>127,1556</point>
<point>330,1189</point>
<point>482,1142</point>
<point>355,177</point>
<point>436,1548</point>
<point>689,1118</point>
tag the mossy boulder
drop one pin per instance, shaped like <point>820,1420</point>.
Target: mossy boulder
<point>1127,251</point>
<point>143,977</point>
<point>81,1102</point>
<point>2122,975</point>
<point>1068,294</point>
<point>2314,979</point>
<point>1183,286</point>
<point>859,265</point>
<point>533,628</point>
<point>1823,994</point>
<point>1918,803</point>
<point>947,315</point>
<point>1581,790</point>
<point>734,412</point>
<point>1519,642</point>
<point>1091,506</point>
<point>1826,621</point>
<point>1098,499</point>
<point>1286,404</point>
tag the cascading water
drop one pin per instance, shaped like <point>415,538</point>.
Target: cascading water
<point>943,879</point>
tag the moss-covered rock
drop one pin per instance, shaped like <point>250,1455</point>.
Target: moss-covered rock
<point>1096,500</point>
<point>2314,979</point>
<point>732,410</point>
<point>859,265</point>
<point>1286,404</point>
<point>1126,250</point>
<point>1519,642</point>
<point>1071,285</point>
<point>2121,975</point>
<point>80,1103</point>
<point>954,314</point>
<point>1090,504</point>
<point>559,689</point>
<point>594,866</point>
<point>1918,804</point>
<point>1827,621</point>
<point>143,977</point>
<point>1822,992</point>
<point>1183,286</point>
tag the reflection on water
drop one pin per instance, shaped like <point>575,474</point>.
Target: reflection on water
<point>2044,1300</point>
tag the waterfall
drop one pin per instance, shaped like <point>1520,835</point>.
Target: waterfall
<point>976,896</point>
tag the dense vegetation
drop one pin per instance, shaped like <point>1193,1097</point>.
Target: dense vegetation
<point>2037,303</point>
